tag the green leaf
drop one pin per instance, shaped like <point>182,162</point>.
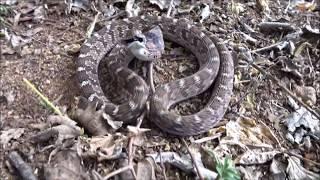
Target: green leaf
<point>225,168</point>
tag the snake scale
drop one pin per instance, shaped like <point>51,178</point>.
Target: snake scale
<point>215,66</point>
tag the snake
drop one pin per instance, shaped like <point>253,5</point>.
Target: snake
<point>117,43</point>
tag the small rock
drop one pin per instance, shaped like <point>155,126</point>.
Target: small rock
<point>72,49</point>
<point>290,137</point>
<point>307,93</point>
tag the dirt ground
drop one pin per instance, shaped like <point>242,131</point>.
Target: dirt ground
<point>40,42</point>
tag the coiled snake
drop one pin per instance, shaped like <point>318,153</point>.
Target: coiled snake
<point>215,62</point>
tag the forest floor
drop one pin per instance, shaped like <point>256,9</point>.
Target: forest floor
<point>270,130</point>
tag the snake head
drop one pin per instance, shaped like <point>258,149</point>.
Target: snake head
<point>147,46</point>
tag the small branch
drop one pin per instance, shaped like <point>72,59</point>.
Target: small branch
<point>205,139</point>
<point>272,46</point>
<point>118,171</point>
<point>193,159</point>
<point>170,8</point>
<point>162,167</point>
<point>150,77</point>
<point>43,98</point>
<point>93,24</point>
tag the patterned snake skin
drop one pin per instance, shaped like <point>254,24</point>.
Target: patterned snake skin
<point>216,66</point>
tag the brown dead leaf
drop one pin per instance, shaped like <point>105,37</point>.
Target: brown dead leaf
<point>256,157</point>
<point>105,147</point>
<point>249,132</point>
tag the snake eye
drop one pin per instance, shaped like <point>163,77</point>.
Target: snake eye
<point>137,38</point>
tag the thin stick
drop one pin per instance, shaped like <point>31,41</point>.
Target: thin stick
<point>205,139</point>
<point>93,24</point>
<point>150,77</point>
<point>193,159</point>
<point>170,8</point>
<point>162,167</point>
<point>118,171</point>
<point>43,98</point>
<point>267,47</point>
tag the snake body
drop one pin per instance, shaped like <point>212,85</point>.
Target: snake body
<point>216,66</point>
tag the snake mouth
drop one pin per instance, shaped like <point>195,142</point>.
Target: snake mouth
<point>154,54</point>
<point>147,46</point>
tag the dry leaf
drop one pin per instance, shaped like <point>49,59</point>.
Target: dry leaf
<point>301,117</point>
<point>146,169</point>
<point>296,171</point>
<point>10,134</point>
<point>249,132</point>
<point>256,157</point>
<point>105,147</point>
<point>183,162</point>
<point>250,172</point>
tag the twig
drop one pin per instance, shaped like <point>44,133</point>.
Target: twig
<point>310,63</point>
<point>289,4</point>
<point>170,8</point>
<point>93,24</point>
<point>205,139</point>
<point>193,159</point>
<point>162,166</point>
<point>267,47</point>
<point>43,98</point>
<point>150,77</point>
<point>118,171</point>
<point>277,81</point>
